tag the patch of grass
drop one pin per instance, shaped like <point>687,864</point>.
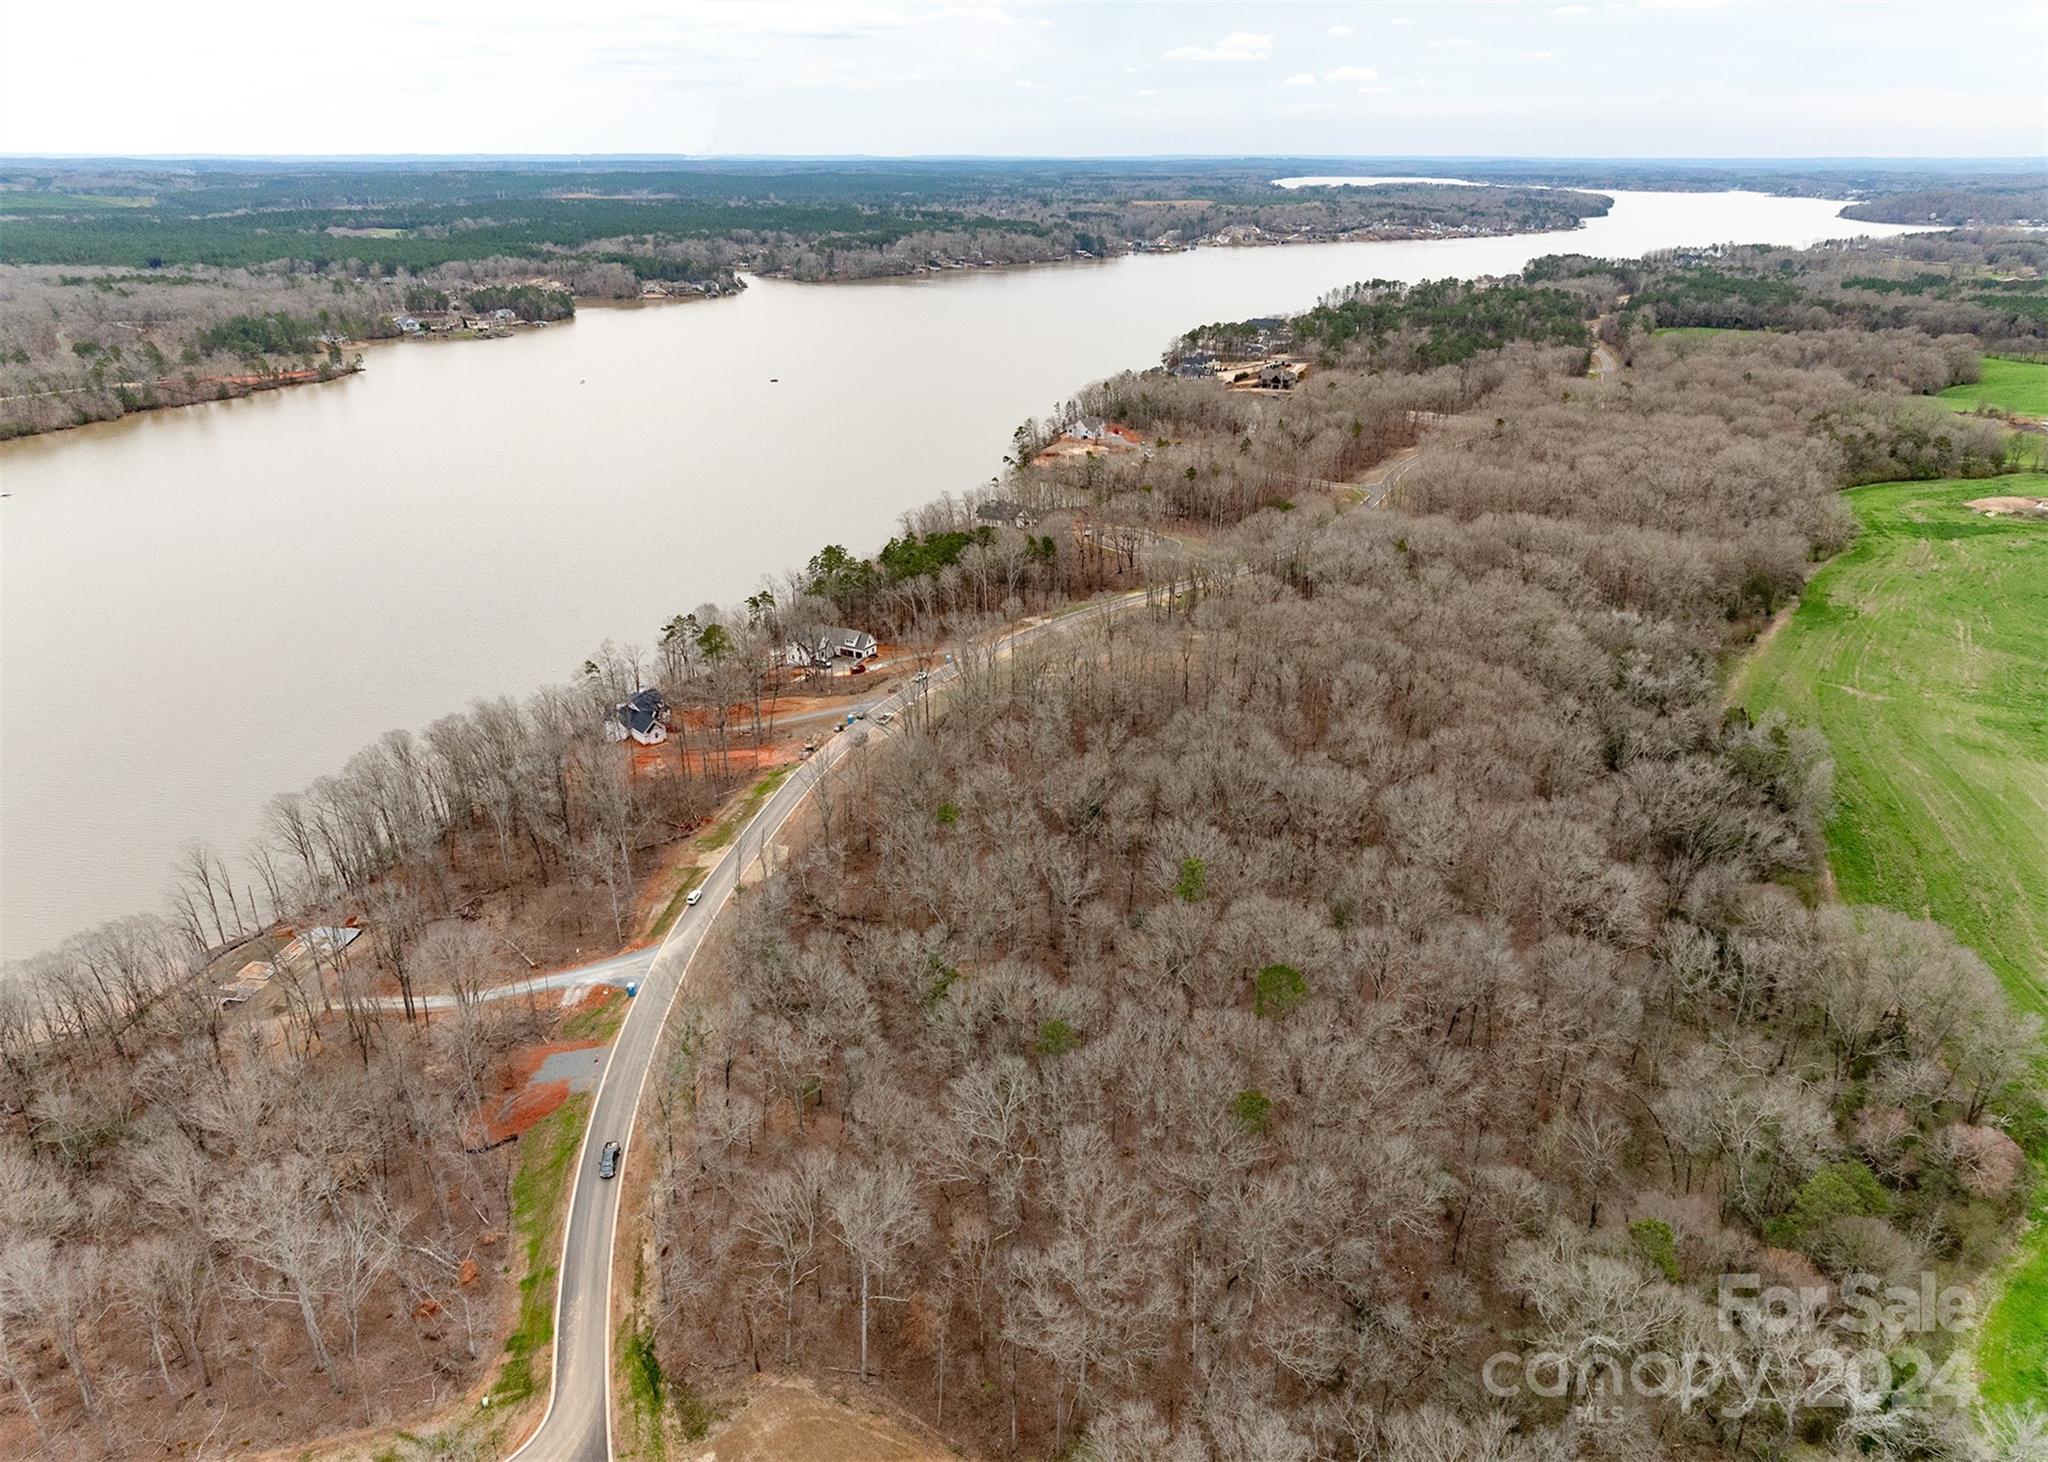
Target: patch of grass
<point>1693,332</point>
<point>641,1368</point>
<point>729,828</point>
<point>463,1440</point>
<point>596,1022</point>
<point>694,1415</point>
<point>1922,653</point>
<point>547,1159</point>
<point>2016,386</point>
<point>2012,1343</point>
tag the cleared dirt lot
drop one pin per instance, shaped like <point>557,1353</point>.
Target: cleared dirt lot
<point>792,1421</point>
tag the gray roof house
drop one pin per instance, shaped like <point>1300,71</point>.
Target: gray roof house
<point>642,716</point>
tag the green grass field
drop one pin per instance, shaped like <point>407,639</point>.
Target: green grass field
<point>2012,1343</point>
<point>1693,332</point>
<point>1922,653</point>
<point>2016,386</point>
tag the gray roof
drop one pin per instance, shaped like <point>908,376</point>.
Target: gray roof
<point>641,710</point>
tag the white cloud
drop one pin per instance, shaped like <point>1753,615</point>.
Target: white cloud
<point>1400,20</point>
<point>1147,91</point>
<point>1350,75</point>
<point>1450,43</point>
<point>1571,10</point>
<point>1342,30</point>
<point>1239,45</point>
<point>1536,55</point>
<point>1301,78</point>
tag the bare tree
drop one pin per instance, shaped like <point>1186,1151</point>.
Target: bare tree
<point>878,1213</point>
<point>785,1214</point>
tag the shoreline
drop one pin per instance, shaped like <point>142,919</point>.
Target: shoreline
<point>923,272</point>
<point>218,428</point>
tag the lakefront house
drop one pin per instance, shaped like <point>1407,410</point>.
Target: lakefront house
<point>643,716</point>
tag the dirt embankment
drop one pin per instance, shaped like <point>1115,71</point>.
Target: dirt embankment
<point>788,1420</point>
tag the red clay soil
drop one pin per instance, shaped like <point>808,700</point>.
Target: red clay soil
<point>598,996</point>
<point>274,378</point>
<point>797,701</point>
<point>665,760</point>
<point>524,1101</point>
<point>530,1104</point>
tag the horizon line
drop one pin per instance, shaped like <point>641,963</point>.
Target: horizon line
<point>701,157</point>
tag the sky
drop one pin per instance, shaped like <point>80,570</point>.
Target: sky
<point>1659,78</point>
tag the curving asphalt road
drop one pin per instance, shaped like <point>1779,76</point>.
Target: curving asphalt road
<point>577,1426</point>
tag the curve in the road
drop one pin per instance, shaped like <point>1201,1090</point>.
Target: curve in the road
<point>576,1426</point>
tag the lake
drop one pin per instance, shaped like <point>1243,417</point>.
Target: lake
<point>202,607</point>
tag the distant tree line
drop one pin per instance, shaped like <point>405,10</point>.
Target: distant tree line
<point>1987,284</point>
<point>1977,205</point>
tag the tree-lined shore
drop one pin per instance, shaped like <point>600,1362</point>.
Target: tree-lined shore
<point>129,286</point>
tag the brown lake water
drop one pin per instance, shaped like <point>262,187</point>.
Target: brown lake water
<point>202,607</point>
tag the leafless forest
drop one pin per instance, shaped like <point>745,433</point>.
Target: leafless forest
<point>230,1229</point>
<point>241,1228</point>
<point>1223,1033</point>
<point>1215,1036</point>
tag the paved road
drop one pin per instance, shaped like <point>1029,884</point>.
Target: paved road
<point>617,969</point>
<point>1373,487</point>
<point>577,1426</point>
<point>1379,484</point>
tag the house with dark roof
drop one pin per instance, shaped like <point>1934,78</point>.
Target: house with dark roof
<point>643,716</point>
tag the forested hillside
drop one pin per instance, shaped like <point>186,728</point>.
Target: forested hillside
<point>1224,1035</point>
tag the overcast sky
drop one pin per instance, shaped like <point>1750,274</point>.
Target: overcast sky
<point>1660,78</point>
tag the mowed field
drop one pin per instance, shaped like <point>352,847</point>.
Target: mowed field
<point>1922,654</point>
<point>2016,386</point>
